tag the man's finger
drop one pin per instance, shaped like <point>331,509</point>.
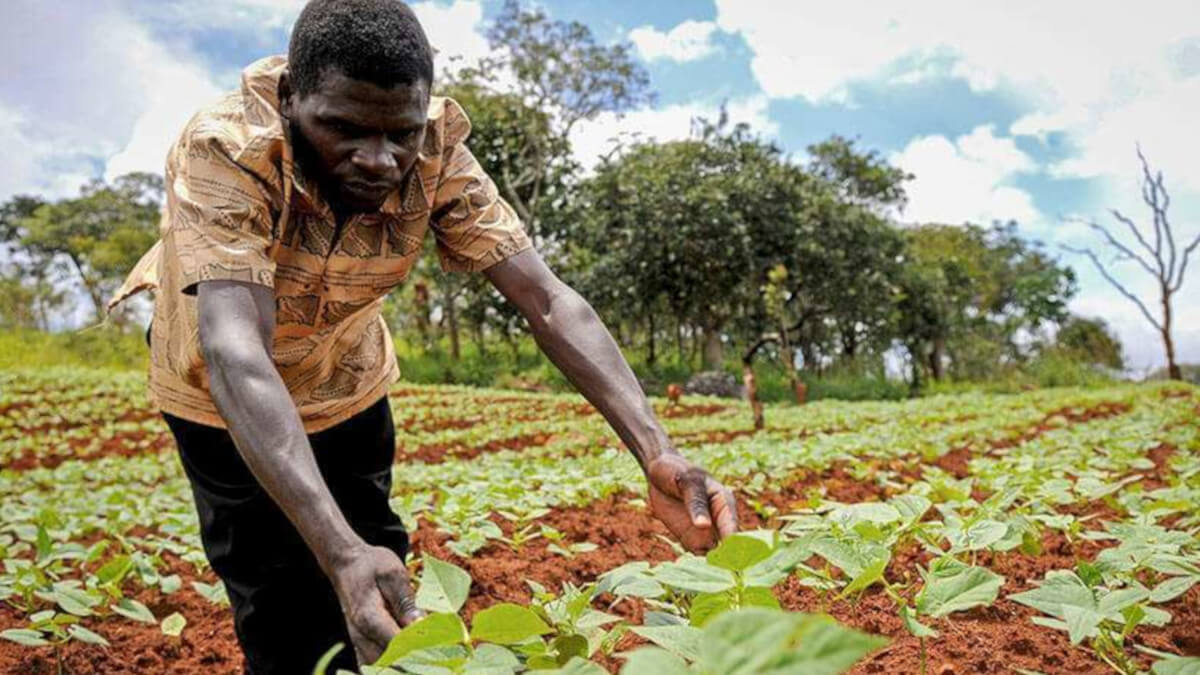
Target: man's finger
<point>695,496</point>
<point>723,507</point>
<point>377,626</point>
<point>398,593</point>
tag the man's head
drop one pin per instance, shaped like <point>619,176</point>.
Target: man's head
<point>355,95</point>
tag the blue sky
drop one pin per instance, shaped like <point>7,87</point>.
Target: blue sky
<point>1022,110</point>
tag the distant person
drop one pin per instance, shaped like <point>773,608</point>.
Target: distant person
<point>294,205</point>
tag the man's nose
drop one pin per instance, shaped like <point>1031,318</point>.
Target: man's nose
<point>375,157</point>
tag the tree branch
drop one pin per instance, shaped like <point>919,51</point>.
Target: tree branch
<point>1137,233</point>
<point>1116,284</point>
<point>1187,252</point>
<point>1118,245</point>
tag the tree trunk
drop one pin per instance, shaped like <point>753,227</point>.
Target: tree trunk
<point>714,351</point>
<point>914,353</point>
<point>756,406</point>
<point>651,357</point>
<point>1173,370</point>
<point>480,343</point>
<point>92,290</point>
<point>452,320</point>
<point>679,345</point>
<point>849,343</point>
<point>935,358</point>
<point>810,359</point>
<point>789,361</point>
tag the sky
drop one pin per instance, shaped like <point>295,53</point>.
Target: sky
<point>1024,110</point>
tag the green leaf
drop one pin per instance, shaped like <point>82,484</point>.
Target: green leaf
<point>114,570</point>
<point>758,640</point>
<point>911,507</point>
<point>738,552</point>
<point>568,646</point>
<point>82,634</point>
<point>871,574</point>
<point>327,657</point>
<point>1172,588</point>
<point>130,608</point>
<point>507,624</point>
<point>215,593</point>
<point>653,661</point>
<point>852,557</point>
<point>682,641</point>
<point>1177,665</point>
<point>444,587</point>
<point>1082,622</point>
<point>1112,603</point>
<point>878,513</point>
<point>694,575</point>
<point>75,601</point>
<point>1090,574</point>
<point>492,660</point>
<point>776,568</point>
<point>1060,588</point>
<point>24,636</point>
<point>705,606</point>
<point>44,545</point>
<point>759,596</point>
<point>918,629</point>
<point>173,624</point>
<point>578,666</point>
<point>432,631</point>
<point>171,583</point>
<point>958,590</point>
<point>983,534</point>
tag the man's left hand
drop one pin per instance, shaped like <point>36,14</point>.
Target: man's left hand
<point>697,509</point>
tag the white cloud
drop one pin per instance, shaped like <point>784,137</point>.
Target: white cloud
<point>455,31</point>
<point>1076,50</point>
<point>965,179</point>
<point>170,90</point>
<point>70,111</point>
<point>595,138</point>
<point>688,41</point>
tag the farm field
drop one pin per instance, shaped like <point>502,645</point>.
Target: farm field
<point>1049,532</point>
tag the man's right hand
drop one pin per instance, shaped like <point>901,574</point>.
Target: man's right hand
<point>373,588</point>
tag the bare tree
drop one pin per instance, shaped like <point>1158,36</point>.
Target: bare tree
<point>1161,260</point>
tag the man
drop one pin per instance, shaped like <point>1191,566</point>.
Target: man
<point>294,205</point>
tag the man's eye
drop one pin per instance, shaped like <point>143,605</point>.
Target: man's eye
<point>344,128</point>
<point>401,136</point>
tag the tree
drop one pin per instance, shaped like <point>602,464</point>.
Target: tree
<point>968,293</point>
<point>861,178</point>
<point>26,294</point>
<point>556,70</point>
<point>1162,260</point>
<point>96,238</point>
<point>1090,341</point>
<point>683,226</point>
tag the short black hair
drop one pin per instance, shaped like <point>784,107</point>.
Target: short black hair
<point>377,41</point>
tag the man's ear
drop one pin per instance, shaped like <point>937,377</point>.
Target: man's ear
<point>285,94</point>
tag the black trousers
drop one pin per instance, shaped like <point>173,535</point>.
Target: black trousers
<point>286,614</point>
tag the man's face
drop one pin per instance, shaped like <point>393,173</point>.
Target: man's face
<point>357,139</point>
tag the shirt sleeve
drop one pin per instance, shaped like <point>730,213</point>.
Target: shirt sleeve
<point>219,224</point>
<point>473,225</point>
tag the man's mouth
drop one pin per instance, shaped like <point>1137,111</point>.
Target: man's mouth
<point>368,191</point>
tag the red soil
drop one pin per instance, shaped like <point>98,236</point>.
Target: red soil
<point>990,640</point>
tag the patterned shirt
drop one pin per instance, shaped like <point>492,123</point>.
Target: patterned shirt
<point>239,208</point>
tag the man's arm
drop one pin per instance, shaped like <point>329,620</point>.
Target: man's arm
<point>567,329</point>
<point>236,322</point>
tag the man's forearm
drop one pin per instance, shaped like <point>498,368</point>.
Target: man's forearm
<point>572,335</point>
<point>265,426</point>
